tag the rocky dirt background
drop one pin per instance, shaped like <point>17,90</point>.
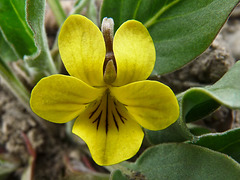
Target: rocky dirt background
<point>57,156</point>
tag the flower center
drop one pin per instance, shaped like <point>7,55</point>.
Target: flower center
<point>108,113</point>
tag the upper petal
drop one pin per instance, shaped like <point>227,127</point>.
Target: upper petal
<point>134,53</point>
<point>109,131</point>
<point>152,104</point>
<point>82,49</point>
<point>60,98</point>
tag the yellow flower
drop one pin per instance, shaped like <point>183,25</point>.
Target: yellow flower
<point>109,113</point>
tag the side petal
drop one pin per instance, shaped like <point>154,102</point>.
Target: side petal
<point>60,98</point>
<point>134,53</point>
<point>82,49</point>
<point>109,131</point>
<point>152,104</point>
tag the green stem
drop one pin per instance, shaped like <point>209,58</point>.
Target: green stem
<point>14,83</point>
<point>51,64</point>
<point>68,130</point>
<point>92,12</point>
<point>57,11</point>
<point>153,20</point>
<point>79,7</point>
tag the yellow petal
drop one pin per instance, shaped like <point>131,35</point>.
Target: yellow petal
<point>109,131</point>
<point>60,98</point>
<point>152,104</point>
<point>134,53</point>
<point>82,49</point>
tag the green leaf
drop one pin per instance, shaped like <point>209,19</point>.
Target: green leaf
<point>198,130</point>
<point>227,142</point>
<point>87,176</point>
<point>184,161</point>
<point>41,60</point>
<point>177,132</point>
<point>14,27</point>
<point>7,52</point>
<point>199,102</point>
<point>118,175</point>
<point>181,29</point>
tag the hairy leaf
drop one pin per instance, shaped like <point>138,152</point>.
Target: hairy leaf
<point>41,60</point>
<point>15,28</point>
<point>184,161</point>
<point>227,142</point>
<point>7,51</point>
